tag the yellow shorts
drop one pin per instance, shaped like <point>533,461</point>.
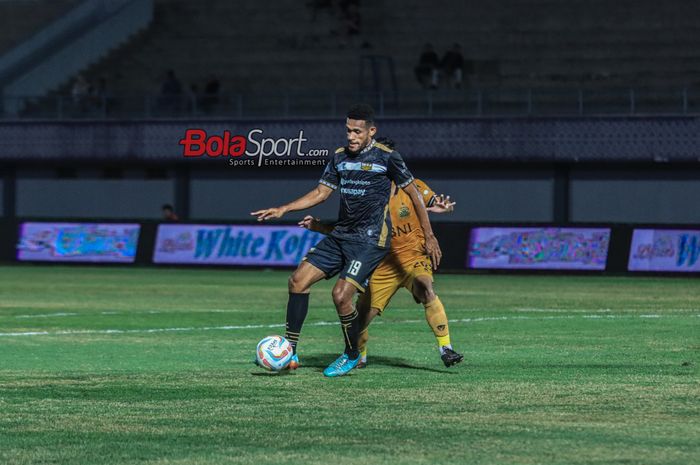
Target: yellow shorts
<point>395,272</point>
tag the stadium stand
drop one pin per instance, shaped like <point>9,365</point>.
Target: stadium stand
<point>526,57</point>
<point>22,18</point>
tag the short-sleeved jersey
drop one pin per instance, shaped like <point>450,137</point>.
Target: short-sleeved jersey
<point>406,232</point>
<point>364,182</point>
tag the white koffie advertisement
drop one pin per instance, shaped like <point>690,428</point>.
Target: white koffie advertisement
<point>676,250</point>
<point>208,244</point>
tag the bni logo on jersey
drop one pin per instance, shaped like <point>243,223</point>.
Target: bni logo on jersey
<point>253,149</point>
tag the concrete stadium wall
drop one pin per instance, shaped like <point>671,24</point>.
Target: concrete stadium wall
<point>493,194</point>
<point>636,196</point>
<point>478,200</point>
<point>482,195</point>
<point>226,199</point>
<point>92,198</point>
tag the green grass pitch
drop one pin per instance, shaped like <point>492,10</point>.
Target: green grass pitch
<point>153,366</point>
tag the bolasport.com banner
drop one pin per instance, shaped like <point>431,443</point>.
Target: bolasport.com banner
<point>252,149</point>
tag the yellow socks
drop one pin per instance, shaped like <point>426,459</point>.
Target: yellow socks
<point>444,341</point>
<point>437,319</point>
<point>362,344</point>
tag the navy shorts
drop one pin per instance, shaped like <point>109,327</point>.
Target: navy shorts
<point>355,261</point>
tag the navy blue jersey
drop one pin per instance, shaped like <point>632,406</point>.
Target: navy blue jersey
<point>365,180</point>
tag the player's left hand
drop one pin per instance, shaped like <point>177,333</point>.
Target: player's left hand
<point>311,223</point>
<point>268,213</point>
<point>432,248</point>
<point>442,204</point>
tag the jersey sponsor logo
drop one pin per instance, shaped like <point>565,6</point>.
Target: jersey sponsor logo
<point>360,192</point>
<point>397,231</point>
<point>357,182</point>
<point>422,264</point>
<point>361,166</point>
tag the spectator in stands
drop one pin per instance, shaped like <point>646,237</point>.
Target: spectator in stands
<point>193,99</point>
<point>350,11</point>
<point>171,85</point>
<point>169,213</point>
<point>319,5</point>
<point>211,94</point>
<point>170,92</point>
<point>100,95</point>
<point>427,68</point>
<point>348,17</point>
<point>452,66</point>
<point>80,92</point>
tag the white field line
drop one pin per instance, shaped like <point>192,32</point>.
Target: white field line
<point>47,315</point>
<point>598,310</point>
<point>149,312</point>
<point>579,313</point>
<point>318,323</point>
<point>559,310</point>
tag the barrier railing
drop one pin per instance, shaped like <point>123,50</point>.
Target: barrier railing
<point>438,103</point>
<point>646,139</point>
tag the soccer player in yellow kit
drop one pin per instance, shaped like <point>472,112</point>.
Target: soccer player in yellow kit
<point>407,265</point>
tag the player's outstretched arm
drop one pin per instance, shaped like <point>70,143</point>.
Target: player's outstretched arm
<point>311,199</point>
<point>314,224</point>
<point>431,244</point>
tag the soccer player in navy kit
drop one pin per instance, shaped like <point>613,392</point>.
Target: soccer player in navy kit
<point>363,172</point>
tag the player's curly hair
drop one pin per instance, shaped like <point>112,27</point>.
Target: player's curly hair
<point>362,112</point>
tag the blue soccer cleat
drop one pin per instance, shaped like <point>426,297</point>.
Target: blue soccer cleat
<point>341,366</point>
<point>294,363</point>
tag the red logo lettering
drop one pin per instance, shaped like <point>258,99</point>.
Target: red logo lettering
<point>196,143</point>
<point>193,142</point>
<point>237,147</point>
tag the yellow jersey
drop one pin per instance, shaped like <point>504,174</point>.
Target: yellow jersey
<point>406,232</point>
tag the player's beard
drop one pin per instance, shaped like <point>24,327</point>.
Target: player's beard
<point>360,148</point>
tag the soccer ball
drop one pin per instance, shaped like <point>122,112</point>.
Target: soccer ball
<point>274,353</point>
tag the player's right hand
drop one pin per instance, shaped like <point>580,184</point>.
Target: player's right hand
<point>268,213</point>
<point>432,248</point>
<point>311,223</point>
<point>442,204</point>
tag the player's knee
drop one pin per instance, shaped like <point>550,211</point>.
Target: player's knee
<point>341,298</point>
<point>429,295</point>
<point>296,283</point>
<point>423,291</point>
